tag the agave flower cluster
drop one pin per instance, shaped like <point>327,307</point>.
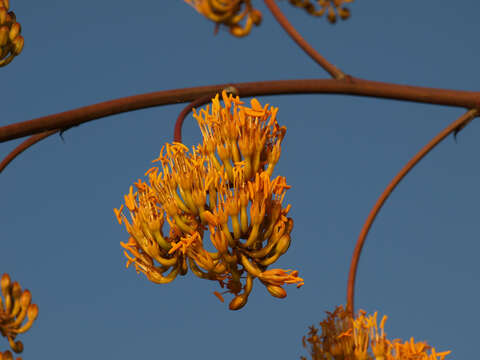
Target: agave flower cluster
<point>238,15</point>
<point>331,7</point>
<point>15,307</point>
<point>222,191</point>
<point>344,338</point>
<point>11,42</point>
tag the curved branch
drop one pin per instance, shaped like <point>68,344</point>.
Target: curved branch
<point>319,59</point>
<point>352,86</point>
<point>32,140</point>
<point>177,133</point>
<point>452,128</point>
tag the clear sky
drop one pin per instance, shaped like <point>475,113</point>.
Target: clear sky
<point>60,238</point>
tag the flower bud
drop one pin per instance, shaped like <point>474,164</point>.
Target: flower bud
<point>25,299</point>
<point>7,355</point>
<point>11,17</point>
<point>283,244</point>
<point>14,31</point>
<point>16,346</point>
<point>18,44</point>
<point>238,302</point>
<point>332,18</point>
<point>3,15</point>
<point>277,291</point>
<point>5,283</point>
<point>256,16</point>
<point>344,13</point>
<point>16,290</point>
<point>4,35</point>
<point>32,312</point>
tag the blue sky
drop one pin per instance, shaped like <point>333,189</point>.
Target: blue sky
<point>60,238</point>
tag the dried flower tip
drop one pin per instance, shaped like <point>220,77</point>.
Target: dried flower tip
<point>219,296</point>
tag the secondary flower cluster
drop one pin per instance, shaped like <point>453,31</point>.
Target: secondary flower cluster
<point>224,188</point>
<point>331,7</point>
<point>15,307</point>
<point>11,42</point>
<point>344,338</point>
<point>238,15</point>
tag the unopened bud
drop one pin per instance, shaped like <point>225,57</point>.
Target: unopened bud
<point>32,312</point>
<point>277,291</point>
<point>238,31</point>
<point>25,299</point>
<point>256,16</point>
<point>16,290</point>
<point>11,17</point>
<point>14,31</point>
<point>331,16</point>
<point>283,244</point>
<point>17,346</point>
<point>3,15</point>
<point>344,13</point>
<point>5,283</point>
<point>7,355</point>
<point>4,35</point>
<point>238,302</point>
<point>18,44</point>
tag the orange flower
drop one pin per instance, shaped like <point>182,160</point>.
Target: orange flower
<point>331,7</point>
<point>231,13</point>
<point>360,339</point>
<point>224,185</point>
<point>280,277</point>
<point>14,309</point>
<point>11,42</point>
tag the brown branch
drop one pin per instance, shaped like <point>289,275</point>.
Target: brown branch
<point>452,128</point>
<point>32,140</point>
<point>177,133</point>
<point>352,86</point>
<point>319,59</point>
